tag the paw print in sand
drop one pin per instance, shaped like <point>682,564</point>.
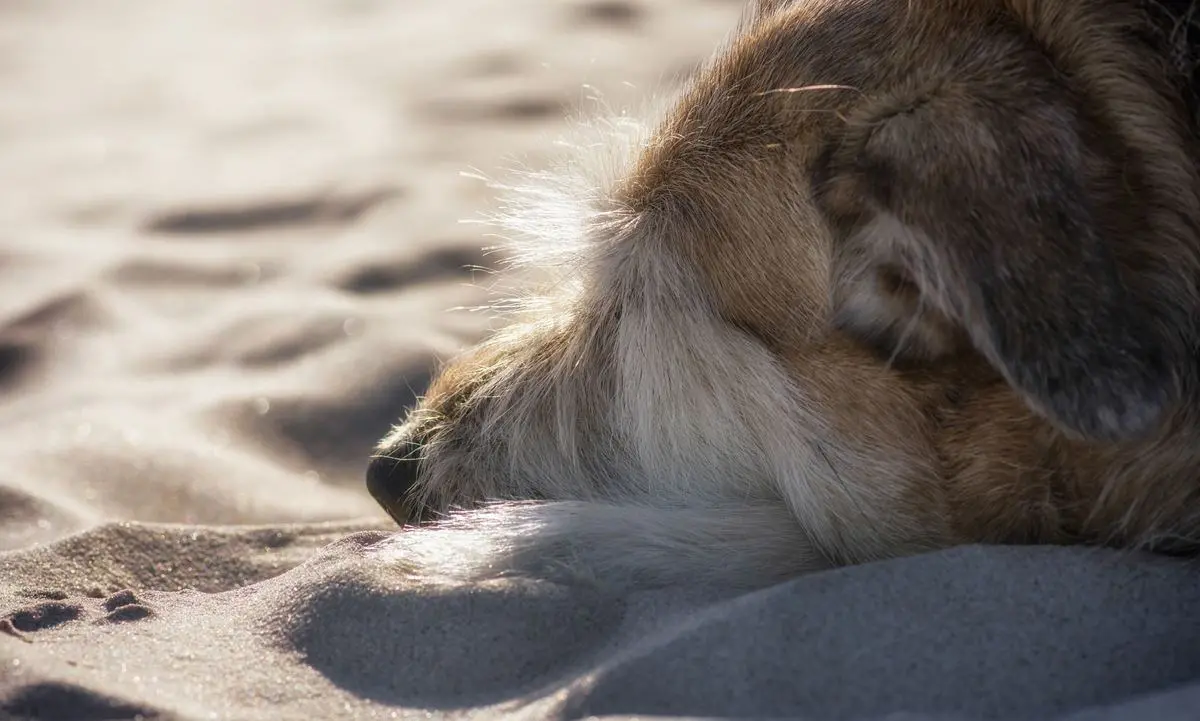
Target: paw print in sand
<point>125,606</point>
<point>55,611</point>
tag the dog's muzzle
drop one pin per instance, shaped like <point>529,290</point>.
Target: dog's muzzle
<point>390,478</point>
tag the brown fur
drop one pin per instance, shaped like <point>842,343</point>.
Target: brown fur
<point>964,230</point>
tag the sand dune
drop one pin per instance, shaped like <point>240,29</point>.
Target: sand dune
<point>229,240</point>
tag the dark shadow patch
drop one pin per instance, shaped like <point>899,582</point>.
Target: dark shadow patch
<point>531,108</point>
<point>55,701</point>
<point>268,214</point>
<point>516,109</point>
<point>15,359</point>
<point>445,263</point>
<point>973,632</point>
<point>475,661</point>
<point>611,13</point>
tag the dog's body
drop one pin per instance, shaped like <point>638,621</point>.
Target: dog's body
<point>892,275</point>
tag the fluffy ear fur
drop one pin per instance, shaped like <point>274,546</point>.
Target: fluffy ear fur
<point>764,8</point>
<point>980,210</point>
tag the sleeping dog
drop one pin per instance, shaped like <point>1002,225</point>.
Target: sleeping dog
<point>887,276</point>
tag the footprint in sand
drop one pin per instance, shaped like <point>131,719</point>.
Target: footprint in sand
<point>125,606</point>
<point>121,607</point>
<point>39,617</point>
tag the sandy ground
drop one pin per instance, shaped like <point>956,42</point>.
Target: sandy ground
<point>229,240</point>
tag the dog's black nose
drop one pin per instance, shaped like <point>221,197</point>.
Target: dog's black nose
<point>391,476</point>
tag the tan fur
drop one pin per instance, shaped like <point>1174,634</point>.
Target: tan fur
<point>920,272</point>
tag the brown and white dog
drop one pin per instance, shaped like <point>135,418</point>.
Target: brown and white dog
<point>889,276</point>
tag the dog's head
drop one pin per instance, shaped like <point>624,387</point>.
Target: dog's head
<point>869,244</point>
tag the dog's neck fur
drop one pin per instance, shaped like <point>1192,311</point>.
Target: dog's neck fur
<point>1176,26</point>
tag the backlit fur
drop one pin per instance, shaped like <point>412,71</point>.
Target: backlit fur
<point>886,277</point>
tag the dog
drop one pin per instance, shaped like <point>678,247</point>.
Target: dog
<point>887,277</point>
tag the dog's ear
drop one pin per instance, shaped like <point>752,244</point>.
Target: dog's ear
<point>987,212</point>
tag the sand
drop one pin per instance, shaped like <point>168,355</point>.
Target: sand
<point>229,243</point>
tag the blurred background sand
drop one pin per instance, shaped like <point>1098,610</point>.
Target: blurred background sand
<point>230,239</point>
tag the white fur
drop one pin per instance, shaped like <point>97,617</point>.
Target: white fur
<point>703,460</point>
<point>612,546</point>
